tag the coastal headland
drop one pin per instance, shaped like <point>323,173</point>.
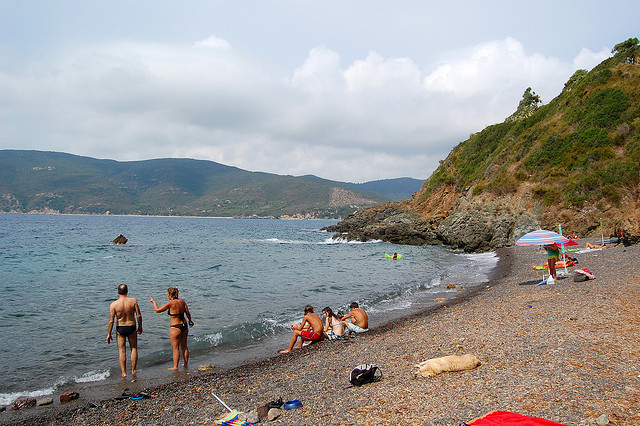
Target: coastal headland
<point>566,352</point>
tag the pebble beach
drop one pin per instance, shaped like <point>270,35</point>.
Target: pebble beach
<point>566,352</point>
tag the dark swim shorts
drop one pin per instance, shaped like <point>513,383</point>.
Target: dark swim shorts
<point>125,330</point>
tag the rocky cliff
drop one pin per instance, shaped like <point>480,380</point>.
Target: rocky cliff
<point>574,162</point>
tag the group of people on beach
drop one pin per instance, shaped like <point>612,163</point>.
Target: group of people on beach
<point>125,312</point>
<point>312,329</point>
<point>554,250</point>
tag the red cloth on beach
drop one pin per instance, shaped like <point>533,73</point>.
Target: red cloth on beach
<point>498,418</point>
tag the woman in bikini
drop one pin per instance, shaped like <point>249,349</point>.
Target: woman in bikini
<point>333,327</point>
<point>178,329</point>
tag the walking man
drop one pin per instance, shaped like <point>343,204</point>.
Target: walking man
<point>124,312</point>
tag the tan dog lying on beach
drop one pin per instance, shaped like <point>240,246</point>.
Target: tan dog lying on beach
<point>435,366</point>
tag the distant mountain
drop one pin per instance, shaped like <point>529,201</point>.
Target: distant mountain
<point>53,182</point>
<point>392,189</point>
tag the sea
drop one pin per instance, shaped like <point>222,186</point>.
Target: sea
<point>245,281</point>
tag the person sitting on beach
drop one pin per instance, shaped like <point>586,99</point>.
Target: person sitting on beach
<point>178,329</point>
<point>124,311</point>
<point>310,330</point>
<point>593,246</point>
<point>359,321</point>
<point>333,327</point>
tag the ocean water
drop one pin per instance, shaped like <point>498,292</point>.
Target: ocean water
<point>245,281</point>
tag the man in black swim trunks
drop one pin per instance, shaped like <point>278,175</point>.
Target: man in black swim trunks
<point>124,311</point>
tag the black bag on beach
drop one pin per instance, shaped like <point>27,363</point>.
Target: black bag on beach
<point>365,373</point>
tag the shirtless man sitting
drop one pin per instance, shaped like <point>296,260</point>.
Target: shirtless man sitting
<point>124,312</point>
<point>311,329</point>
<point>359,321</point>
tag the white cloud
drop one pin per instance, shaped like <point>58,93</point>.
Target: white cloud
<point>376,117</point>
<point>214,42</point>
<point>587,59</point>
<point>320,72</point>
<point>490,67</point>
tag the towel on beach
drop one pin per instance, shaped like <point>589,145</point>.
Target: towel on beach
<point>559,264</point>
<point>586,250</point>
<point>499,418</point>
<point>583,274</point>
<point>232,419</point>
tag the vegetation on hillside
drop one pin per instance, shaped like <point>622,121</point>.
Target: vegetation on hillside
<point>35,181</point>
<point>582,148</point>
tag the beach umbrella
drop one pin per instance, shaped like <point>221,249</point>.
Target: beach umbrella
<point>571,243</point>
<point>541,237</point>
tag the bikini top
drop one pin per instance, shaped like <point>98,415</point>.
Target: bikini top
<point>174,315</point>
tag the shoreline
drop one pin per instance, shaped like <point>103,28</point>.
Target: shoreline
<point>155,375</point>
<point>565,353</point>
<point>152,368</point>
<point>44,213</point>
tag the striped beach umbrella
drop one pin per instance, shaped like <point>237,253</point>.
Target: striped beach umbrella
<point>541,237</point>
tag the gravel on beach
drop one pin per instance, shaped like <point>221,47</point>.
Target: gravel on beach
<point>567,352</point>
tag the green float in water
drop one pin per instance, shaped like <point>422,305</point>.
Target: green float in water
<point>390,256</point>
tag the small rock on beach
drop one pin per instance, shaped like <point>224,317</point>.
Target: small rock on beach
<point>68,397</point>
<point>44,401</point>
<point>23,402</point>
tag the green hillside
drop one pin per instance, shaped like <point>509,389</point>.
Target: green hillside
<point>36,181</point>
<point>577,158</point>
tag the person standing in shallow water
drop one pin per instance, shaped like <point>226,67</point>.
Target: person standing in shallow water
<point>178,329</point>
<point>124,312</point>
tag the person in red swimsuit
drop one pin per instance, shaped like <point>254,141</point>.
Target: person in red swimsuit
<point>311,329</point>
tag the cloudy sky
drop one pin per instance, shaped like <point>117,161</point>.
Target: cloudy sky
<point>349,90</point>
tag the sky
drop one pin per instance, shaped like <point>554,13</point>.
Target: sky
<point>348,90</point>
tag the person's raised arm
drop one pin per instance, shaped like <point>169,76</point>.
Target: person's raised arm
<point>161,309</point>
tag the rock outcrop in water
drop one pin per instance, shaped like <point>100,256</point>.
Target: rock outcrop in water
<point>120,239</point>
<point>469,226</point>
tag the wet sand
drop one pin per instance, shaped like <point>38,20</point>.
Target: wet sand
<point>567,352</point>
